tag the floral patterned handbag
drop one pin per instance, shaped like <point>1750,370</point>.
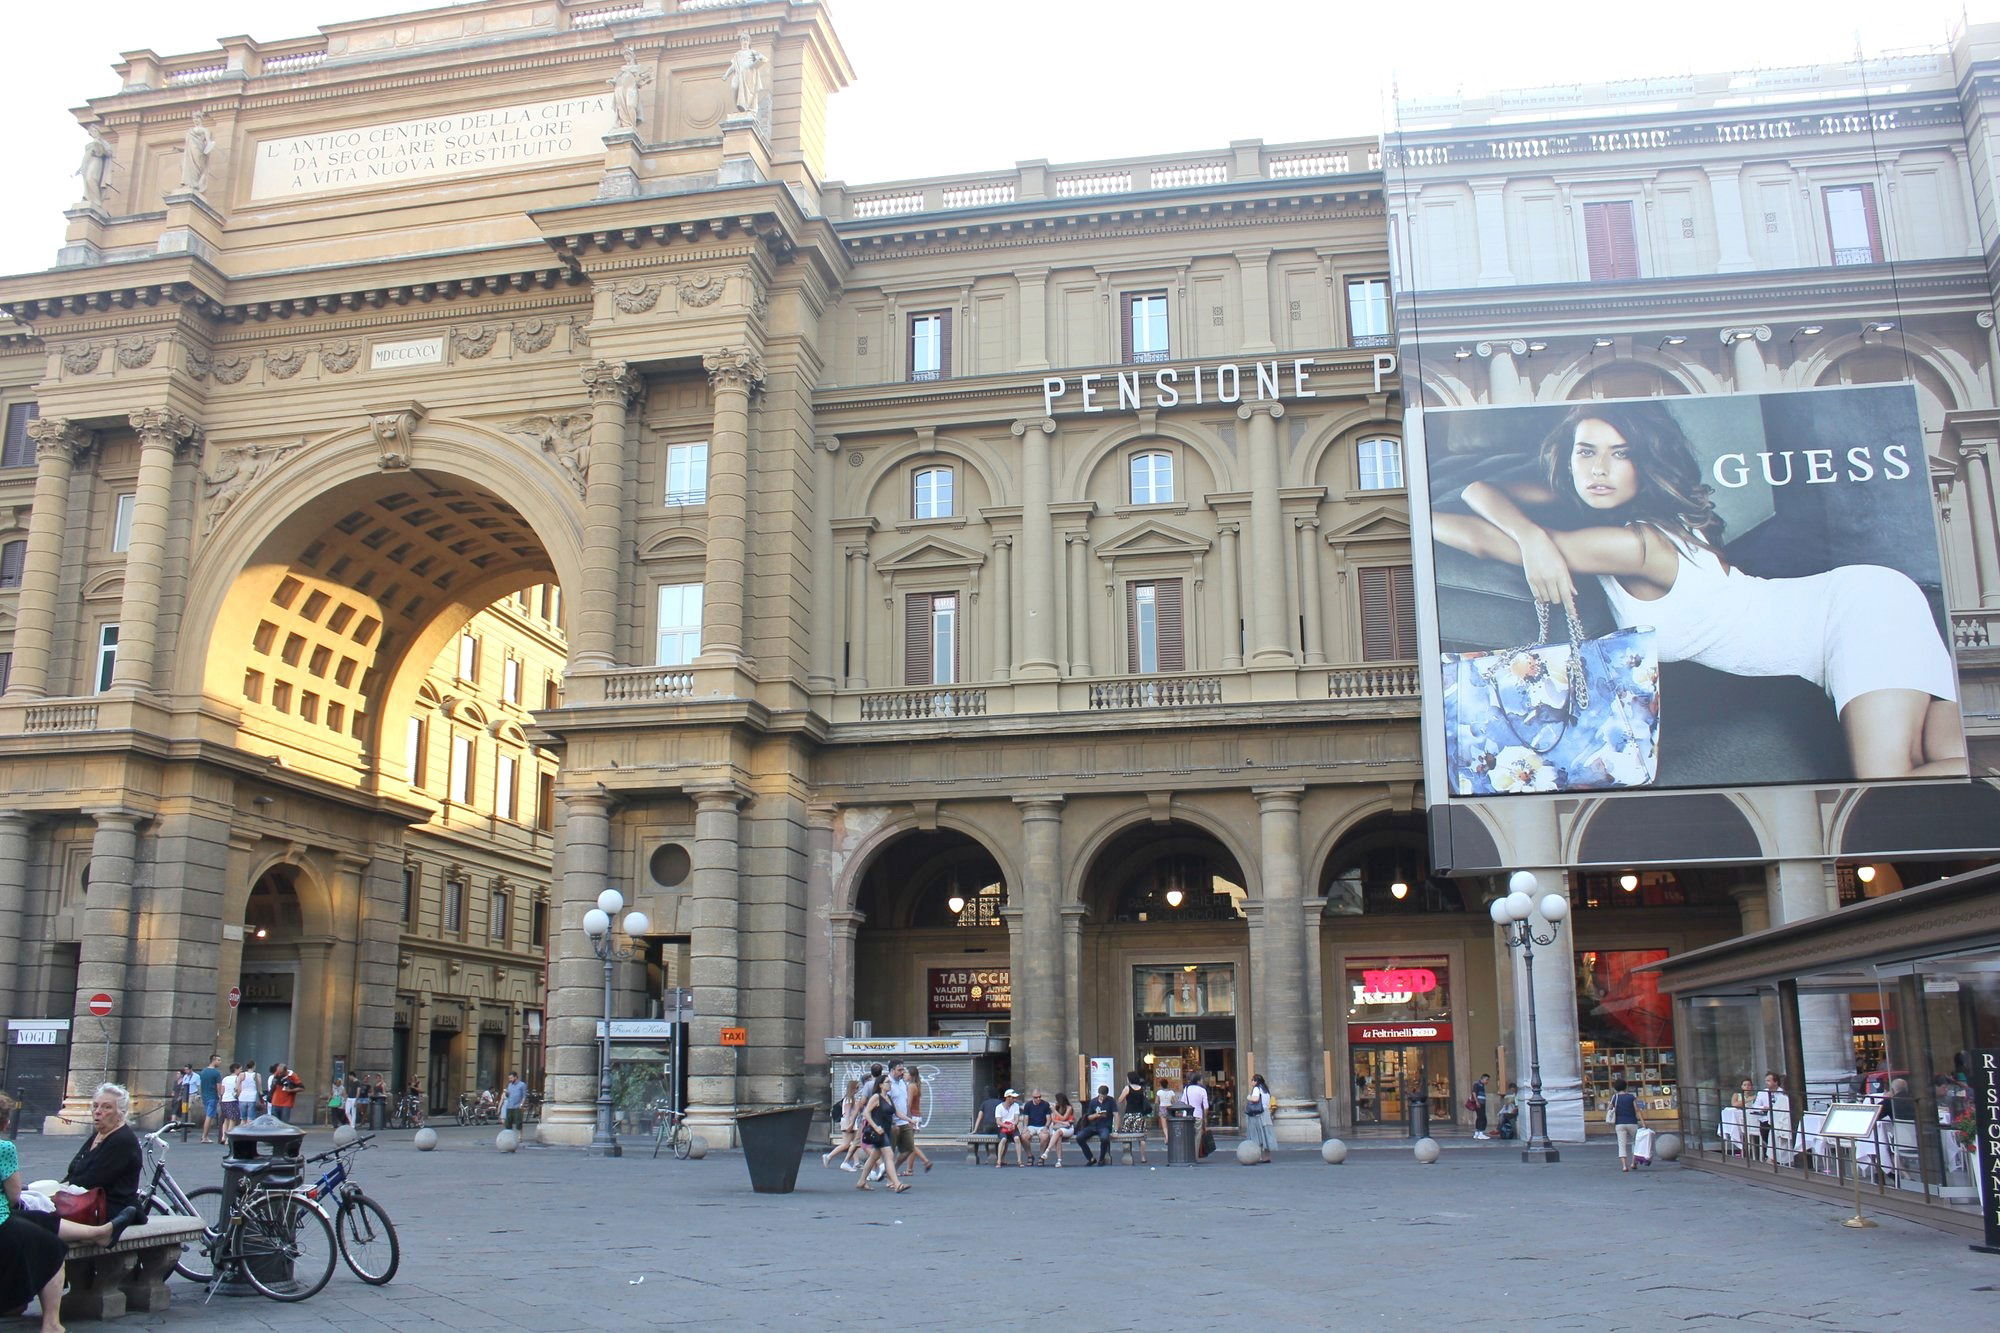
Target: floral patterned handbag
<point>1577,716</point>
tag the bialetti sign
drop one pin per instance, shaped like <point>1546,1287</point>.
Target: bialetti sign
<point>458,144</point>
<point>1986,1119</point>
<point>1186,1031</point>
<point>1171,386</point>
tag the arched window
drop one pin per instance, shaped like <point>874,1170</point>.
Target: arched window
<point>932,493</point>
<point>1379,464</point>
<point>1152,478</point>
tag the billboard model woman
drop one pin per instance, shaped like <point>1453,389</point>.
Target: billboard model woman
<point>1623,500</point>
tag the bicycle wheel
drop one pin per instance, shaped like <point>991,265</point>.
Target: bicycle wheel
<point>196,1263</point>
<point>683,1141</point>
<point>368,1240</point>
<point>286,1246</point>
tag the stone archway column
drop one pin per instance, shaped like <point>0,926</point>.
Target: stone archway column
<point>1038,550</point>
<point>97,1045</point>
<point>1278,987</point>
<point>1270,638</point>
<point>59,445</point>
<point>162,435</point>
<point>714,968</point>
<point>1040,1023</point>
<point>1555,1016</point>
<point>15,849</point>
<point>1074,990</point>
<point>819,948</point>
<point>576,977</point>
<point>1753,905</point>
<point>734,373</point>
<point>612,386</point>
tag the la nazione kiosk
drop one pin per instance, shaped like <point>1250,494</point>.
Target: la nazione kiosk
<point>954,1070</point>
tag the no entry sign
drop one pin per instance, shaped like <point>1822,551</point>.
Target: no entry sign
<point>100,1005</point>
<point>235,996</point>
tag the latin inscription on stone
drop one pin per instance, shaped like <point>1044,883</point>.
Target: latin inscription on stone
<point>414,352</point>
<point>464,143</point>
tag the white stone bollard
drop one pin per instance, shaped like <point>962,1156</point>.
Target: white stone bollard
<point>1333,1152</point>
<point>507,1140</point>
<point>344,1135</point>
<point>1249,1153</point>
<point>697,1147</point>
<point>1427,1151</point>
<point>1666,1147</point>
<point>426,1139</point>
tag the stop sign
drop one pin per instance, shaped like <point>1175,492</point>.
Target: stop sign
<point>235,996</point>
<point>100,1004</point>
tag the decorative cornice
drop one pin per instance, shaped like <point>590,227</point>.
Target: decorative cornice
<point>611,382</point>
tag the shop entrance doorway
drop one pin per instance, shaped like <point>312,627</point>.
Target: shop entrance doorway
<point>1385,1077</point>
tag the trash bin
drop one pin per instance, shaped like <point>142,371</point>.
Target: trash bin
<point>1183,1136</point>
<point>773,1142</point>
<point>265,1154</point>
<point>1420,1116</point>
<point>378,1114</point>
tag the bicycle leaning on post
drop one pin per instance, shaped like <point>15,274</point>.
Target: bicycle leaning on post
<point>670,1129</point>
<point>367,1237</point>
<point>279,1241</point>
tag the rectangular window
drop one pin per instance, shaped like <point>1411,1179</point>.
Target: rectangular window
<point>1611,242</point>
<point>454,905</point>
<point>496,921</point>
<point>107,656</point>
<point>539,925</point>
<point>687,473</point>
<point>545,802</point>
<point>504,787</point>
<point>13,559</point>
<point>510,679</point>
<point>930,638</point>
<point>1145,327</point>
<point>6,670</point>
<point>19,449</point>
<point>409,891</point>
<point>415,760</point>
<point>930,345</point>
<point>1388,614</point>
<point>121,523</point>
<point>460,789</point>
<point>1152,479</point>
<point>1853,231</point>
<point>1379,464</point>
<point>555,616</point>
<point>552,692</point>
<point>680,624</point>
<point>468,657</point>
<point>1368,312</point>
<point>931,493</point>
<point>1154,636</point>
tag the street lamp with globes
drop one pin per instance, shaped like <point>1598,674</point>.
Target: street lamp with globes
<point>597,925</point>
<point>1512,914</point>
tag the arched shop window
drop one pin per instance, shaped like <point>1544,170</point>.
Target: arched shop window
<point>967,877</point>
<point>1177,879</point>
<point>1382,869</point>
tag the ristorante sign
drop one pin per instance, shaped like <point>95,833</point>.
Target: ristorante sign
<point>1171,386</point>
<point>457,144</point>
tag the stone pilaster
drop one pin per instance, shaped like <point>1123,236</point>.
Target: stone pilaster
<point>1038,551</point>
<point>733,374</point>
<point>162,435</point>
<point>713,962</point>
<point>1078,547</point>
<point>1033,285</point>
<point>857,617</point>
<point>1489,213</point>
<point>576,977</point>
<point>819,944</point>
<point>59,444</point>
<point>1725,192</point>
<point>1503,380</point>
<point>1003,607</point>
<point>1253,273</point>
<point>1036,949</point>
<point>1979,504</point>
<point>1311,609</point>
<point>612,386</point>
<point>825,572</point>
<point>1270,637</point>
<point>1753,905</point>
<point>15,849</point>
<point>1278,983</point>
<point>1226,535</point>
<point>1747,360</point>
<point>104,965</point>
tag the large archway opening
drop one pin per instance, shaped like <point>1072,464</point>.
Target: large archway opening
<point>1163,980</point>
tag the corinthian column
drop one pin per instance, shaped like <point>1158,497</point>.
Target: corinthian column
<point>575,985</point>
<point>1003,607</point>
<point>104,963</point>
<point>714,969</point>
<point>1310,611</point>
<point>1038,551</point>
<point>58,446</point>
<point>733,373</point>
<point>1079,603</point>
<point>162,435</point>
<point>825,574</point>
<point>1232,597</point>
<point>1279,983</point>
<point>1270,640</point>
<point>1036,953</point>
<point>612,386</point>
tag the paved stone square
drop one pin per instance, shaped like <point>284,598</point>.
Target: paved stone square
<point>551,1239</point>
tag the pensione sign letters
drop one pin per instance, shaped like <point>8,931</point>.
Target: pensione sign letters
<point>1171,386</point>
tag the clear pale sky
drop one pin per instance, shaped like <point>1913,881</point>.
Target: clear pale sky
<point>950,85</point>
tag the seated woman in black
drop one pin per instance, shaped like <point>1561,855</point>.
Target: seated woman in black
<point>34,1245</point>
<point>110,1159</point>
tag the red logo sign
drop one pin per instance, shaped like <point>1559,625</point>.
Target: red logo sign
<point>735,1037</point>
<point>235,996</point>
<point>100,1004</point>
<point>1400,980</point>
<point>1374,1032</point>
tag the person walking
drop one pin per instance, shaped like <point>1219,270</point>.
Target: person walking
<point>230,1083</point>
<point>1478,1100</point>
<point>358,1101</point>
<point>847,1129</point>
<point>1195,1098</point>
<point>1163,1104</point>
<point>208,1084</point>
<point>187,1092</point>
<point>1100,1115</point>
<point>878,1128</point>
<point>248,1087</point>
<point>1626,1118</point>
<point>336,1104</point>
<point>1257,1117</point>
<point>285,1089</point>
<point>512,1103</point>
<point>915,1081</point>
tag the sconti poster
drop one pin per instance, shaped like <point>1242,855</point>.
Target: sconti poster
<point>1706,591</point>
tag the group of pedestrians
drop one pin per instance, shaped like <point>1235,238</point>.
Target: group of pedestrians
<point>879,1116</point>
<point>220,1100</point>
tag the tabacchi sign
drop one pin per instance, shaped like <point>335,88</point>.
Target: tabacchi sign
<point>1170,386</point>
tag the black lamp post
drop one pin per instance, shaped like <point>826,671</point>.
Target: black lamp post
<point>1512,914</point>
<point>597,925</point>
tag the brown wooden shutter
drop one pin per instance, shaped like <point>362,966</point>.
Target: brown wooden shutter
<point>1624,242</point>
<point>1125,328</point>
<point>18,450</point>
<point>1597,241</point>
<point>1378,624</point>
<point>1403,600</point>
<point>944,344</point>
<point>1874,223</point>
<point>1132,629</point>
<point>12,556</point>
<point>1173,638</point>
<point>1611,242</point>
<point>917,639</point>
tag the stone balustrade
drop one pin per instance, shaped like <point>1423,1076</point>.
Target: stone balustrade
<point>636,684</point>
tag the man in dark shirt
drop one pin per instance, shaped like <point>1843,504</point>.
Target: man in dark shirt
<point>983,1122</point>
<point>210,1080</point>
<point>1100,1113</point>
<point>1035,1113</point>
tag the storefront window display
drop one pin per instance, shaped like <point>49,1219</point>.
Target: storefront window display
<point>1399,1038</point>
<point>1625,1029</point>
<point>1185,1016</point>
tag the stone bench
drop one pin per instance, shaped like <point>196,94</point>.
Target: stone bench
<point>975,1144</point>
<point>107,1281</point>
<point>1128,1142</point>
